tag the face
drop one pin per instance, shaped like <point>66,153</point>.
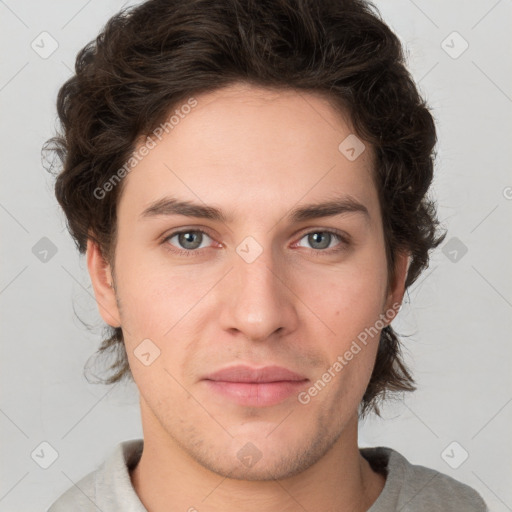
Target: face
<point>268,281</point>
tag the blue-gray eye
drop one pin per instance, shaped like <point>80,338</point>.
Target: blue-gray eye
<point>190,240</point>
<point>321,239</point>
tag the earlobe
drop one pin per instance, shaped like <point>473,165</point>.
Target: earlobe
<point>102,283</point>
<point>397,287</point>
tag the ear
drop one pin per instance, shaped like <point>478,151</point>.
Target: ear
<point>102,283</point>
<point>397,286</point>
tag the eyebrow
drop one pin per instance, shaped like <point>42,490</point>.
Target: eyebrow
<point>168,206</point>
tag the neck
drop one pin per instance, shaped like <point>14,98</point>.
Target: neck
<point>167,477</point>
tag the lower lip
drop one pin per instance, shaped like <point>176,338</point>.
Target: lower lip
<point>254,394</point>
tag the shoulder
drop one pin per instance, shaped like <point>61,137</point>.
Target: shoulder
<point>80,496</point>
<point>108,487</point>
<point>412,487</point>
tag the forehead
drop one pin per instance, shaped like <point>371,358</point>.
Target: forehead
<point>244,144</point>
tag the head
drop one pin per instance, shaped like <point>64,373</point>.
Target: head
<point>255,109</point>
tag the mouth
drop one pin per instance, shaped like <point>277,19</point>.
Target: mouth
<point>255,387</point>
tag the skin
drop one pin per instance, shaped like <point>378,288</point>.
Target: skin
<point>256,154</point>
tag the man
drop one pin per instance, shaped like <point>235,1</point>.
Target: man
<point>248,182</point>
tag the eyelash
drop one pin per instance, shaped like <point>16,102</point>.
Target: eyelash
<point>343,238</point>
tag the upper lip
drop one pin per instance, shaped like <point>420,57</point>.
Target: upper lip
<point>243,373</point>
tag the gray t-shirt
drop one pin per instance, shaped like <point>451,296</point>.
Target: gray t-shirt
<point>408,488</point>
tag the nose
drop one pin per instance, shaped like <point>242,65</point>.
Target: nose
<point>258,300</point>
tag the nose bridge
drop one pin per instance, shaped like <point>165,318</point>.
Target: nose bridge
<point>260,303</point>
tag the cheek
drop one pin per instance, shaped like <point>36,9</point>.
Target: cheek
<point>153,295</point>
<point>350,308</point>
<point>347,299</point>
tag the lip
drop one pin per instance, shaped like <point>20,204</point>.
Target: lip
<point>244,373</point>
<point>255,387</point>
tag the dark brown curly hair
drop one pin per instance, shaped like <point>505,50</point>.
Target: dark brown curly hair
<point>151,57</point>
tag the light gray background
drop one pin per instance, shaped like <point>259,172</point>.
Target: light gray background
<point>459,317</point>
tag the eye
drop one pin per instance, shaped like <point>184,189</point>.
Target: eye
<point>187,241</point>
<point>322,241</point>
